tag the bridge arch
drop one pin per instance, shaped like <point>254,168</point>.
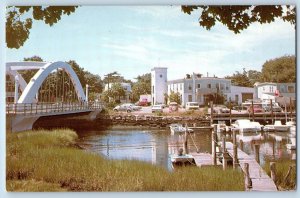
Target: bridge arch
<point>28,95</point>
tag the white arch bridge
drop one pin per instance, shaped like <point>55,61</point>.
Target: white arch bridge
<point>36,101</point>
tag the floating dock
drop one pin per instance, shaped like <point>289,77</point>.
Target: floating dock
<point>260,180</point>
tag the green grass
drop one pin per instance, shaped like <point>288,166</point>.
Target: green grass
<point>282,167</point>
<point>49,161</point>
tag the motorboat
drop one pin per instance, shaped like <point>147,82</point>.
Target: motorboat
<point>245,125</point>
<point>178,128</point>
<point>278,126</point>
<point>179,160</point>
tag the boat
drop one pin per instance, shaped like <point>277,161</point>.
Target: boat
<point>178,128</point>
<point>245,125</point>
<point>182,160</point>
<point>278,126</point>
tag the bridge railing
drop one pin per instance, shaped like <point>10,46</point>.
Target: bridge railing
<point>46,108</point>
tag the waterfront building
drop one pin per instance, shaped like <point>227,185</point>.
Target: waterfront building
<point>238,94</point>
<point>196,88</point>
<point>282,93</point>
<point>159,85</point>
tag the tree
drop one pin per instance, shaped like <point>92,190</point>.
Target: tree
<point>19,21</point>
<point>280,70</point>
<point>238,18</point>
<point>79,72</point>
<point>28,74</point>
<point>240,79</point>
<point>116,91</point>
<point>175,97</point>
<point>254,76</point>
<point>142,86</point>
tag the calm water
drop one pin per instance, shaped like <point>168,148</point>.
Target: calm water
<point>154,146</point>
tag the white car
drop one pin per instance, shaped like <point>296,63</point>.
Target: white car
<point>192,106</point>
<point>128,107</point>
<point>157,108</point>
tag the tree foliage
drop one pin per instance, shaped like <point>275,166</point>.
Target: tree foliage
<point>240,79</point>
<point>28,74</point>
<point>280,70</point>
<point>175,97</point>
<point>19,21</point>
<point>238,18</point>
<point>141,87</point>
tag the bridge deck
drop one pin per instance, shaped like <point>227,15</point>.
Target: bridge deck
<point>260,180</point>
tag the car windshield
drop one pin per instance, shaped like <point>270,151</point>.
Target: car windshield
<point>157,106</point>
<point>193,104</point>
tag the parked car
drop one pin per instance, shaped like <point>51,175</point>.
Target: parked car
<point>157,108</point>
<point>255,109</point>
<point>142,103</point>
<point>239,109</point>
<point>192,106</point>
<point>275,108</point>
<point>173,106</point>
<point>220,109</point>
<point>128,107</point>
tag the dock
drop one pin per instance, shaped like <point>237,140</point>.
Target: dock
<point>260,180</point>
<point>204,159</point>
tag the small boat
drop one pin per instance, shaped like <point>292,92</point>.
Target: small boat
<point>182,160</point>
<point>178,128</point>
<point>245,125</point>
<point>278,126</point>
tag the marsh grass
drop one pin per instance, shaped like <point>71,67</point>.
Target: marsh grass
<point>49,161</point>
<point>282,167</point>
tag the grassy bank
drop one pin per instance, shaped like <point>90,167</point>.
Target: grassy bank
<point>283,180</point>
<point>50,161</point>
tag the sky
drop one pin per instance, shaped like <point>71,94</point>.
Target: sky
<point>134,39</point>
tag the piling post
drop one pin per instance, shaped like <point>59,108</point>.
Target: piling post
<point>252,107</point>
<point>242,145</point>
<point>272,115</point>
<point>230,111</point>
<point>290,108</point>
<point>185,143</point>
<point>235,157</point>
<point>248,182</point>
<point>213,145</point>
<point>273,171</point>
<point>256,147</point>
<point>211,112</point>
<point>224,160</point>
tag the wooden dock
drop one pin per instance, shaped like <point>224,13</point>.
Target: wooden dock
<point>260,180</point>
<point>203,159</point>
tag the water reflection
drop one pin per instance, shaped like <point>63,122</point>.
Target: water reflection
<point>154,146</point>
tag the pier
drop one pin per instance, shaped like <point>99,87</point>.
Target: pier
<point>259,178</point>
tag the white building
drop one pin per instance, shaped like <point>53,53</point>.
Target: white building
<point>239,94</point>
<point>195,88</point>
<point>283,93</point>
<point>159,84</point>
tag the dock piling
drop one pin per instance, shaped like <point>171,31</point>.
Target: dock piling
<point>224,160</point>
<point>273,171</point>
<point>213,144</point>
<point>248,182</point>
<point>235,157</point>
<point>256,147</point>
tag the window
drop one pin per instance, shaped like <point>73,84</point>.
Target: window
<point>198,86</point>
<point>225,98</point>
<point>227,88</point>
<point>209,86</point>
<point>153,89</point>
<point>160,75</point>
<point>180,87</point>
<point>190,87</point>
<point>190,98</point>
<point>291,89</point>
<point>236,98</point>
